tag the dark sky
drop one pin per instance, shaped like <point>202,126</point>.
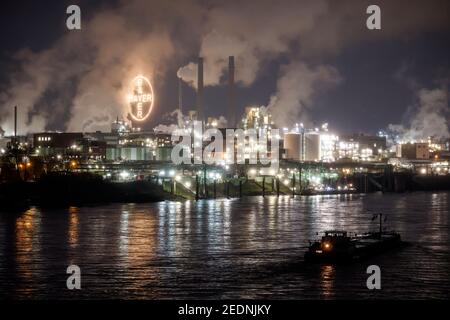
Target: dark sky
<point>379,75</point>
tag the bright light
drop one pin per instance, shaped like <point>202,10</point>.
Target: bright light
<point>171,173</point>
<point>252,171</point>
<point>162,173</point>
<point>124,174</point>
<point>141,98</point>
<point>177,178</point>
<point>316,179</point>
<point>188,184</point>
<point>423,170</point>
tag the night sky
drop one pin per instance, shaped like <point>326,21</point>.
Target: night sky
<point>372,78</point>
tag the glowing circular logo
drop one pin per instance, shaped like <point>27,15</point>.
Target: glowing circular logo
<point>140,98</point>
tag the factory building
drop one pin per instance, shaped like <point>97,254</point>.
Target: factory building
<point>413,151</point>
<point>315,145</point>
<point>368,145</point>
<point>256,118</point>
<point>56,143</point>
<point>309,146</point>
<point>124,153</point>
<point>141,146</point>
<point>121,127</point>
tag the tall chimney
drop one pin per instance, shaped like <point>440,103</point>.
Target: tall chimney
<point>15,121</point>
<point>200,89</point>
<point>180,94</point>
<point>231,93</point>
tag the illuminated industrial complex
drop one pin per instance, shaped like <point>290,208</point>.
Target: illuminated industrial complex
<point>310,160</point>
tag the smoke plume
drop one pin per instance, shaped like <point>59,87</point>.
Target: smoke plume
<point>80,81</point>
<point>296,89</point>
<point>430,117</point>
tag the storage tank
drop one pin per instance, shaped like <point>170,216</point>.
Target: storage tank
<point>292,145</point>
<point>312,147</point>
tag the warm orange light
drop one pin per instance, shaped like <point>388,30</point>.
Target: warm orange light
<point>141,98</point>
<point>28,164</point>
<point>327,246</point>
<point>73,164</point>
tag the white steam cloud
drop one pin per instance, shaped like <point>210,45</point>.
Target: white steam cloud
<point>296,89</point>
<point>80,81</point>
<point>429,120</point>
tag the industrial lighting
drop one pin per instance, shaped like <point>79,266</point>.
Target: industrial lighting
<point>423,171</point>
<point>124,174</point>
<point>162,173</point>
<point>141,99</point>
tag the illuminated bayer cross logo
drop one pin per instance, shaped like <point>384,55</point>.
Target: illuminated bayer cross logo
<point>141,98</point>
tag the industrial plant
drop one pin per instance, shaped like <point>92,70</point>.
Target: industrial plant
<point>310,160</point>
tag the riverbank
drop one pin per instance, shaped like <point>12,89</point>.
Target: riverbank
<point>64,190</point>
<point>86,189</point>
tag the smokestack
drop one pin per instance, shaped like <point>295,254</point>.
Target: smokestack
<point>200,89</point>
<point>15,121</point>
<point>180,95</point>
<point>231,93</point>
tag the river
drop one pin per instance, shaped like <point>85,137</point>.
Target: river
<point>228,248</point>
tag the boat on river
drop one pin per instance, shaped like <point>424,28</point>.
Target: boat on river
<point>340,246</point>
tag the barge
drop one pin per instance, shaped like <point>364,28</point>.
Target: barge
<point>339,246</point>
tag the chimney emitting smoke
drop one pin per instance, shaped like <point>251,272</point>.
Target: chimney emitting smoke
<point>180,95</point>
<point>200,89</point>
<point>231,93</point>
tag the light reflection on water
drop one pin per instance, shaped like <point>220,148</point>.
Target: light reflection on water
<point>229,248</point>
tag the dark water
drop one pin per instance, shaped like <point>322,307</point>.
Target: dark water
<point>241,248</point>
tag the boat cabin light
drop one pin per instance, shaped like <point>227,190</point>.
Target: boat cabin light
<point>327,246</point>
